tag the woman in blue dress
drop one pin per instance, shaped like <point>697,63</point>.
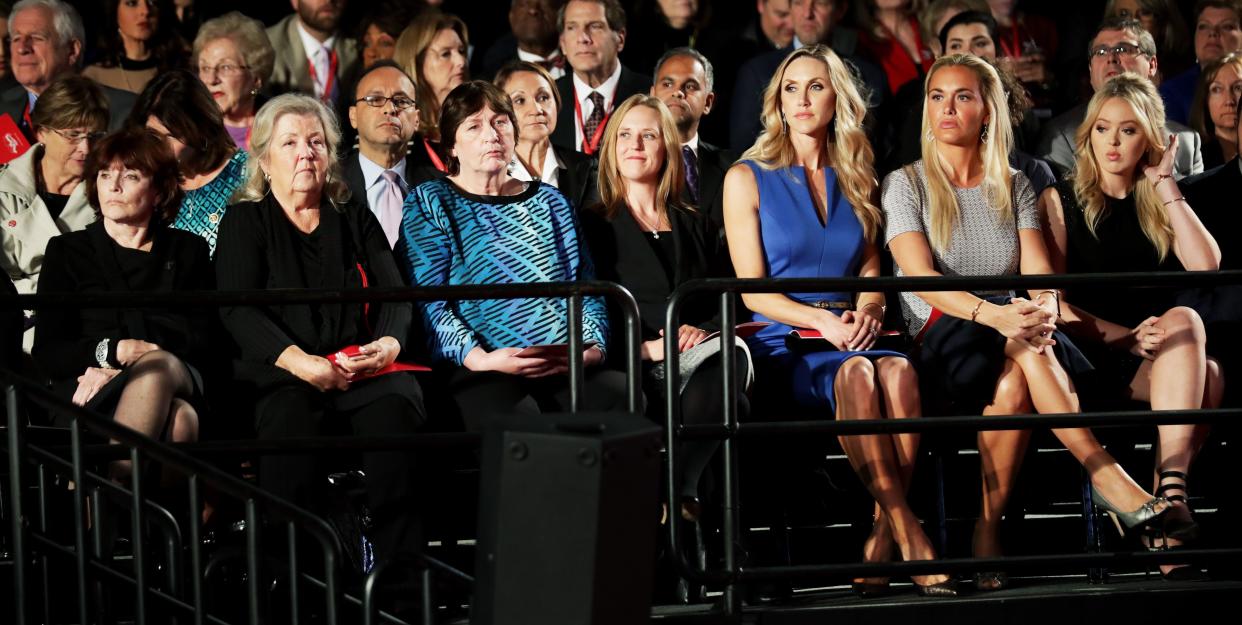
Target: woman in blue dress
<point>177,106</point>
<point>801,204</point>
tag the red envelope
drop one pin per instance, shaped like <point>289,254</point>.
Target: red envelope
<point>356,350</point>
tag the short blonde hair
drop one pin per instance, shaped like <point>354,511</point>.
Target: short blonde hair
<point>672,176</point>
<point>1142,97</point>
<point>256,185</point>
<point>247,34</point>
<point>411,48</point>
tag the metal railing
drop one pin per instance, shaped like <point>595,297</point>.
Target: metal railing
<point>90,560</point>
<point>729,430</point>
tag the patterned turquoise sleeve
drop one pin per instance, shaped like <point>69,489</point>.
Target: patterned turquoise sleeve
<point>426,260</point>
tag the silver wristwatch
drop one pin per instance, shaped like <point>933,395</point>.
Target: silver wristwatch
<point>101,355</point>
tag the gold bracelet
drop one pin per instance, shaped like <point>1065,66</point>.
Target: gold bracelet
<point>1161,178</point>
<point>882,308</point>
<point>1056,298</point>
<point>1180,198</point>
<point>975,313</point>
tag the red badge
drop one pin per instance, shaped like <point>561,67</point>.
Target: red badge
<point>12,223</point>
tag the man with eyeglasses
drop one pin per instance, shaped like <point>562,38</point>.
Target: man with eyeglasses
<point>383,170</point>
<point>1120,45</point>
<point>45,41</point>
<point>1218,31</point>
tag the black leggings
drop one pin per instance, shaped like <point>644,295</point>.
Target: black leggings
<point>702,403</point>
<point>300,411</point>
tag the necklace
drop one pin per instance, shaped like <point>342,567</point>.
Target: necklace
<point>642,224</point>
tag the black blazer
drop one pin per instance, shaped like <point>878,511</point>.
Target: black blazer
<point>13,102</point>
<point>628,84</point>
<point>258,249</point>
<point>622,254</point>
<point>714,163</point>
<point>418,169</point>
<point>1213,195</point>
<point>579,181</point>
<point>84,261</point>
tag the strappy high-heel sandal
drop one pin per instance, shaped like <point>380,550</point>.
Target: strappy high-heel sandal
<point>1155,539</point>
<point>1182,529</point>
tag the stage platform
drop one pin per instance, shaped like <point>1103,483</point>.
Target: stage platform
<point>1128,600</point>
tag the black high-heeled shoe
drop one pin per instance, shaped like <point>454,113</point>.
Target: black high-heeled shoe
<point>1152,510</point>
<point>1154,539</point>
<point>1185,530</point>
<point>947,588</point>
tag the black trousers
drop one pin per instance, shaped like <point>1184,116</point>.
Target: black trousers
<point>292,411</point>
<point>480,395</point>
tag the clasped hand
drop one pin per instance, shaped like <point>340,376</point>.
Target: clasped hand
<point>852,331</point>
<point>1026,322</point>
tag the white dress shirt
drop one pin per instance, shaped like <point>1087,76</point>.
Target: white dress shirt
<point>531,57</point>
<point>551,174</point>
<point>694,144</point>
<point>582,91</point>
<point>373,178</point>
<point>317,53</point>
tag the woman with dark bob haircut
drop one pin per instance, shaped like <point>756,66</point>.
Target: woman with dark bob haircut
<point>482,226</point>
<point>142,365</point>
<point>178,108</point>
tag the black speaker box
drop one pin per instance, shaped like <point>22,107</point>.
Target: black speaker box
<point>568,511</point>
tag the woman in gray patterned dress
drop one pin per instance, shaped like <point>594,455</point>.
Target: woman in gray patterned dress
<point>961,210</point>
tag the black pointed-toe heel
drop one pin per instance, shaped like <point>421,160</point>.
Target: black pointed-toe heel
<point>947,588</point>
<point>988,581</point>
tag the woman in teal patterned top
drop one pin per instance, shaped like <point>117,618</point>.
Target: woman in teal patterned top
<point>481,226</point>
<point>179,108</point>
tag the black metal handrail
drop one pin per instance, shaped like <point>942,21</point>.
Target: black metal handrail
<point>179,458</point>
<point>729,428</point>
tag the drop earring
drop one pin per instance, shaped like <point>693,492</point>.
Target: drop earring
<point>983,136</point>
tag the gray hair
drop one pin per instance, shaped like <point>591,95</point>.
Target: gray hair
<point>1131,26</point>
<point>708,71</point>
<point>256,185</point>
<point>65,19</point>
<point>247,34</point>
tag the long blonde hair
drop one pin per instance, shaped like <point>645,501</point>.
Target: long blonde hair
<point>672,178</point>
<point>1148,107</point>
<point>849,150</point>
<point>994,146</point>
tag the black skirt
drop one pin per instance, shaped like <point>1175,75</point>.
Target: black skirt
<point>959,362</point>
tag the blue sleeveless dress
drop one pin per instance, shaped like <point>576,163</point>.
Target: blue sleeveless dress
<point>797,245</point>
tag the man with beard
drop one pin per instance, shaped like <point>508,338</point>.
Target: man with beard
<point>311,56</point>
<point>684,79</point>
<point>532,37</point>
<point>380,172</point>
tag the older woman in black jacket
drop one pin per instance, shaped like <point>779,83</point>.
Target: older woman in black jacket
<point>319,366</point>
<point>142,365</point>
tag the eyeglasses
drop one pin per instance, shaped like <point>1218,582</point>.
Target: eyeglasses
<point>1123,50</point>
<point>224,69</point>
<point>77,136</point>
<point>399,102</point>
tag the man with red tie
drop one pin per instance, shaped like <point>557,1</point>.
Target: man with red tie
<point>592,33</point>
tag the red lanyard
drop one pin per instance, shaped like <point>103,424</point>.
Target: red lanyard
<point>1016,50</point>
<point>327,85</point>
<point>591,144</point>
<point>435,158</point>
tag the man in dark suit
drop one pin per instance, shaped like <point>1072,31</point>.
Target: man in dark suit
<point>592,33</point>
<point>684,80</point>
<point>47,41</point>
<point>815,22</point>
<point>1120,45</point>
<point>532,37</point>
<point>380,173</point>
